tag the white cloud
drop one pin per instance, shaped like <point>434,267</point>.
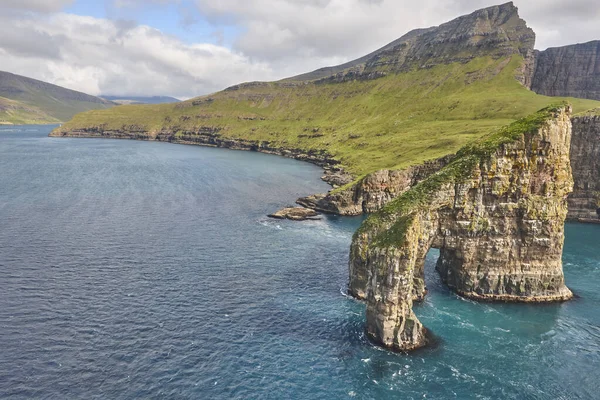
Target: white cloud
<point>35,5</point>
<point>277,38</point>
<point>99,56</point>
<point>286,30</point>
<point>138,3</point>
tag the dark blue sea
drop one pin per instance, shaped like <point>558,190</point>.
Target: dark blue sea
<point>149,270</point>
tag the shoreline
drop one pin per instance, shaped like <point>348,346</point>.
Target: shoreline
<point>334,175</point>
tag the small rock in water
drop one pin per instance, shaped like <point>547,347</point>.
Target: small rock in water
<point>296,214</point>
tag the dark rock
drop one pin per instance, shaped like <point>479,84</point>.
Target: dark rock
<point>296,214</point>
<point>585,161</point>
<point>572,71</point>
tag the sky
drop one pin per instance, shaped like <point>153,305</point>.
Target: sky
<point>188,48</point>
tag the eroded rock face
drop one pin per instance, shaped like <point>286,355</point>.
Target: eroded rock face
<point>584,202</point>
<point>496,31</point>
<point>374,191</point>
<point>572,71</point>
<point>497,215</point>
<point>296,214</point>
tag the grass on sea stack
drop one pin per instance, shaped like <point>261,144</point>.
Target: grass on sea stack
<point>398,215</point>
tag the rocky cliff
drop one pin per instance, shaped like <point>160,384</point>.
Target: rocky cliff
<point>496,213</point>
<point>572,71</point>
<point>495,31</point>
<point>584,202</point>
<point>374,191</point>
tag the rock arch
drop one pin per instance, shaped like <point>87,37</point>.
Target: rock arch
<point>497,215</point>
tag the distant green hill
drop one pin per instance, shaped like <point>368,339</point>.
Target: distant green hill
<point>29,101</point>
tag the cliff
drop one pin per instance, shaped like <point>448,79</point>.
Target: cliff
<point>572,71</point>
<point>373,191</point>
<point>584,202</point>
<point>496,213</point>
<point>496,31</point>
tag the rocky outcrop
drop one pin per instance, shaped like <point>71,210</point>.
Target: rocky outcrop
<point>296,214</point>
<point>496,31</point>
<point>374,191</point>
<point>496,213</point>
<point>572,71</point>
<point>584,202</point>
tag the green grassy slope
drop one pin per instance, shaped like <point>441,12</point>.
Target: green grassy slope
<point>17,113</point>
<point>41,102</point>
<point>390,122</point>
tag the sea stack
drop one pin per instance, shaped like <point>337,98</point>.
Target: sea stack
<point>496,213</point>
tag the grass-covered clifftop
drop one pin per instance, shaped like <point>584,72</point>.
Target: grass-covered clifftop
<point>391,122</point>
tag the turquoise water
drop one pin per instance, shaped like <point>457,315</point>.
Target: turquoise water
<point>149,270</point>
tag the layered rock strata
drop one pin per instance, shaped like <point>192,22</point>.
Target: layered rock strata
<point>584,202</point>
<point>495,31</point>
<point>296,214</point>
<point>496,213</point>
<point>374,191</point>
<point>572,71</point>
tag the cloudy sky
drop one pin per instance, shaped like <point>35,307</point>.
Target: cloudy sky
<point>186,48</point>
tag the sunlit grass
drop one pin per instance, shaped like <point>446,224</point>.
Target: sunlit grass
<point>391,122</point>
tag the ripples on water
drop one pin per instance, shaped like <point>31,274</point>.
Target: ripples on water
<point>148,270</point>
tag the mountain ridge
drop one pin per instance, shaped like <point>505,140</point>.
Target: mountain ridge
<point>496,28</point>
<point>29,100</point>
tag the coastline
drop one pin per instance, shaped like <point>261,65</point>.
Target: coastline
<point>334,174</point>
<point>363,197</point>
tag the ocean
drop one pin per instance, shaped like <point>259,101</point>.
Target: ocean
<point>150,270</point>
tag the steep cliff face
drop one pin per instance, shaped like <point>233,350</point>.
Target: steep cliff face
<point>572,71</point>
<point>584,202</point>
<point>496,213</point>
<point>374,191</point>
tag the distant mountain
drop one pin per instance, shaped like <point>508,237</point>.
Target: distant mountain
<point>29,101</point>
<point>330,71</point>
<point>141,99</point>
